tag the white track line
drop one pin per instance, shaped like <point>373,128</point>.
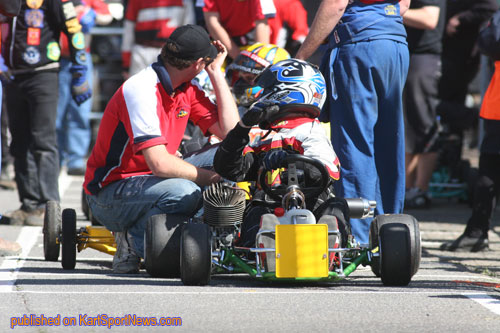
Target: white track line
<point>488,302</point>
<point>9,269</point>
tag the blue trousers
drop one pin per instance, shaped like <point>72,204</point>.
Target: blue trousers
<point>73,124</point>
<point>366,120</point>
<point>129,203</point>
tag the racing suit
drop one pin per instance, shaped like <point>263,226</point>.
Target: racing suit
<point>31,52</point>
<point>237,160</point>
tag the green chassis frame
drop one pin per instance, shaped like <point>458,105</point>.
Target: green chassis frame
<point>232,263</point>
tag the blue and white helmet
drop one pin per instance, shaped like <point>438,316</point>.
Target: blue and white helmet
<point>297,86</point>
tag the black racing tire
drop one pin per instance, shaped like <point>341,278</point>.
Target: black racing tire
<point>162,245</point>
<point>268,222</point>
<point>196,254</point>
<point>51,230</point>
<point>68,241</point>
<point>415,241</point>
<point>332,223</point>
<point>395,254</point>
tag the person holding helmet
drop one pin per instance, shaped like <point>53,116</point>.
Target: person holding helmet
<point>293,94</point>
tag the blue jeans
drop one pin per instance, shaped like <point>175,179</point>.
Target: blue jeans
<point>73,124</point>
<point>128,204</point>
<point>367,129</point>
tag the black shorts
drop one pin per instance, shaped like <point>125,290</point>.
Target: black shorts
<point>420,104</point>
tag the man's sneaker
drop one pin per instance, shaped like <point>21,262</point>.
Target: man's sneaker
<point>24,217</point>
<point>416,198</point>
<point>466,243</point>
<point>8,248</point>
<point>126,260</point>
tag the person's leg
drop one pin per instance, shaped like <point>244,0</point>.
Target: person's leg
<point>62,109</point>
<point>78,130</point>
<point>475,236</point>
<point>126,205</point>
<point>363,74</point>
<point>43,113</point>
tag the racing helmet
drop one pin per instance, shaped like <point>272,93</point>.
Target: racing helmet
<point>252,61</point>
<point>297,86</point>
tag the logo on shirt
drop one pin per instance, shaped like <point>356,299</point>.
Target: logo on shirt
<point>33,37</point>
<point>34,18</point>
<point>35,4</point>
<point>78,41</point>
<point>73,26</point>
<point>31,55</point>
<point>53,51</point>
<point>390,10</point>
<point>181,114</point>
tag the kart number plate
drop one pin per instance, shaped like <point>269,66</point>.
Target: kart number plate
<point>301,250</point>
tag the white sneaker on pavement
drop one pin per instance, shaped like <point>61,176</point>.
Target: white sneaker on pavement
<point>126,260</point>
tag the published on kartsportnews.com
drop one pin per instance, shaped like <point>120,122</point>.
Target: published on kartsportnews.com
<point>99,320</point>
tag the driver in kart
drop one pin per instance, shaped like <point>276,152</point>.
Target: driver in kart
<point>293,94</point>
<point>133,171</point>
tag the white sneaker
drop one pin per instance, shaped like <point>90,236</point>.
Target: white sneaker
<point>126,260</point>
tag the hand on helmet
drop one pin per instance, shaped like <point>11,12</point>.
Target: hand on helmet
<point>275,159</point>
<point>258,112</point>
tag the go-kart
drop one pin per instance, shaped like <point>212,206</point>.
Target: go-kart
<point>290,244</point>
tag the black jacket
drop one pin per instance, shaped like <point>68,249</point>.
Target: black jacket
<point>10,7</point>
<point>33,41</point>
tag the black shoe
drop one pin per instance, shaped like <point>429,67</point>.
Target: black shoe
<point>466,243</point>
<point>76,172</point>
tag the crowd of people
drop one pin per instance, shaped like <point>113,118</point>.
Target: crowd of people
<point>395,73</point>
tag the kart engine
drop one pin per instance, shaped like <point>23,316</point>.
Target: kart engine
<point>223,206</point>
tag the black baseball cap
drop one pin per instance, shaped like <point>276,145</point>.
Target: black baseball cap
<point>193,42</point>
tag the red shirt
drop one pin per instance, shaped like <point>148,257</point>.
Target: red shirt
<point>238,16</point>
<point>294,15</point>
<point>142,114</point>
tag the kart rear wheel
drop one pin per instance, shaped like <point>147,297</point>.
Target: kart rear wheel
<point>68,258</point>
<point>162,245</point>
<point>196,254</point>
<point>414,239</point>
<point>51,230</point>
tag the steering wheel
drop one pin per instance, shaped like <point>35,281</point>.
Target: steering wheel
<point>278,192</point>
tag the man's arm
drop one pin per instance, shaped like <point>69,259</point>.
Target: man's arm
<point>262,31</point>
<point>165,165</point>
<point>327,17</point>
<point>226,106</point>
<point>425,18</point>
<point>218,32</point>
<point>10,8</point>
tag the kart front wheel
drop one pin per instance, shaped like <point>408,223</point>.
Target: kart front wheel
<point>399,249</point>
<point>196,254</point>
<point>68,258</point>
<point>51,230</point>
<point>162,245</point>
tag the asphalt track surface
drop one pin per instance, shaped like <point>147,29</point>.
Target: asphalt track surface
<point>452,292</point>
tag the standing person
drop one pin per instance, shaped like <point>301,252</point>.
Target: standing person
<point>425,25</point>
<point>147,26</point>
<point>133,171</point>
<point>73,123</point>
<point>365,73</point>
<point>460,61</point>
<point>32,56</point>
<point>238,23</point>
<point>487,187</point>
<point>8,8</point>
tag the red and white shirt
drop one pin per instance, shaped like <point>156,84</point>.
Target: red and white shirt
<point>150,23</point>
<point>238,16</point>
<point>142,114</point>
